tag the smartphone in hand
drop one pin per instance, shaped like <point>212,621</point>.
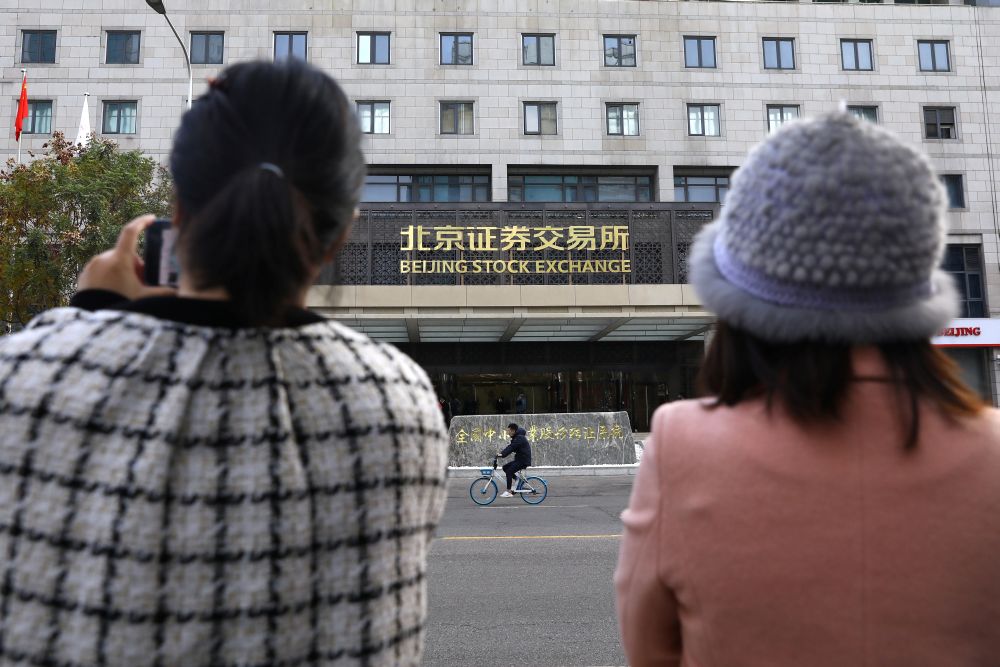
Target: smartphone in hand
<point>160,256</point>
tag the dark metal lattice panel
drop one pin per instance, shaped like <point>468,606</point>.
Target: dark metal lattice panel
<point>686,226</point>
<point>651,239</point>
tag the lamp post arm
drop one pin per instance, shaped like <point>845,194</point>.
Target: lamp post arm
<point>187,59</point>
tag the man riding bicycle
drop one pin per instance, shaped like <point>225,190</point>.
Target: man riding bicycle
<point>521,449</point>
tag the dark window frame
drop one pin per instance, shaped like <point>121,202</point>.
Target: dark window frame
<point>457,35</point>
<point>964,262</point>
<point>119,103</point>
<point>933,43</point>
<point>855,43</point>
<point>291,44</point>
<point>698,41</point>
<point>701,106</point>
<point>852,108</point>
<point>208,34</point>
<point>962,203</point>
<point>583,187</point>
<point>777,52</point>
<point>371,104</point>
<point>618,49</point>
<point>783,107</point>
<point>42,50</point>
<point>373,36</point>
<point>539,105</point>
<point>940,127</point>
<point>125,52</point>
<point>422,186</point>
<point>721,183</point>
<point>537,36</point>
<point>455,105</point>
<point>620,106</point>
<point>31,121</point>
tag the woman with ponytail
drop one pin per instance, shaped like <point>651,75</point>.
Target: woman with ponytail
<point>214,475</point>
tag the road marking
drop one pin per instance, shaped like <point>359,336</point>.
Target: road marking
<point>527,537</point>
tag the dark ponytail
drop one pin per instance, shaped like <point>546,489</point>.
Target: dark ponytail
<point>268,170</point>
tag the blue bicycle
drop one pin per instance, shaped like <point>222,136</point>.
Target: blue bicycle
<point>484,490</point>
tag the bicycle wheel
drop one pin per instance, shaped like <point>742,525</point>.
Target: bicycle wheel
<point>483,491</point>
<point>539,489</point>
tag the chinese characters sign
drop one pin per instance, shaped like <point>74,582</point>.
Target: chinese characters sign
<point>556,439</point>
<point>516,238</point>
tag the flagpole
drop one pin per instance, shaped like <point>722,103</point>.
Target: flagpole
<point>24,76</point>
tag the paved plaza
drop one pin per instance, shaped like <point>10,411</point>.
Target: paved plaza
<point>516,584</point>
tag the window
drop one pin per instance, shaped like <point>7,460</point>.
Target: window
<point>421,188</point>
<point>119,117</point>
<point>39,120</point>
<point>579,187</point>
<point>38,46</point>
<point>699,51</point>
<point>703,120</point>
<point>623,119</point>
<point>538,49</point>
<point>939,123</point>
<point>779,114</point>
<point>456,118</point>
<point>374,117</point>
<point>868,113</point>
<point>779,53</point>
<point>965,264</point>
<point>540,118</point>
<point>206,48</point>
<point>933,56</point>
<point>619,50</point>
<point>456,48</point>
<point>956,192</point>
<point>856,54</point>
<point>701,185</point>
<point>289,45</point>
<point>373,48</point>
<point>123,47</point>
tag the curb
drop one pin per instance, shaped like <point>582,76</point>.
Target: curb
<point>624,470</point>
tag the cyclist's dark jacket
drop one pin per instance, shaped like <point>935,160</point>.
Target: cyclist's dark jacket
<point>520,447</point>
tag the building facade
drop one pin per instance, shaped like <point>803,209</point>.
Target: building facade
<point>539,167</point>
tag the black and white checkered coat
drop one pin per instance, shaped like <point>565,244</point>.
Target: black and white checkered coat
<point>175,495</point>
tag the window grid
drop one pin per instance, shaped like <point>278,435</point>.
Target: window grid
<point>579,188</point>
<point>38,46</point>
<point>779,114</point>
<point>123,47</point>
<point>457,118</point>
<point>965,264</point>
<point>699,52</point>
<point>939,123</point>
<point>864,112</point>
<point>420,188</point>
<point>702,189</point>
<point>374,117</point>
<point>954,186</point>
<point>856,55</point>
<point>538,49</point>
<point>290,45</point>
<point>619,50</point>
<point>119,117</point>
<point>540,118</point>
<point>623,120</point>
<point>933,56</point>
<point>704,120</point>
<point>207,48</point>
<point>779,53</point>
<point>456,48</point>
<point>373,48</point>
<point>39,120</point>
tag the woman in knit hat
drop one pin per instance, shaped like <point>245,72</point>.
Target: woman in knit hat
<point>219,476</point>
<point>836,499</point>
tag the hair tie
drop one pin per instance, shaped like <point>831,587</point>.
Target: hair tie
<point>273,168</point>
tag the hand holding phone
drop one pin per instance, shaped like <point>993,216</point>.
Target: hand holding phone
<point>160,256</point>
<point>119,269</point>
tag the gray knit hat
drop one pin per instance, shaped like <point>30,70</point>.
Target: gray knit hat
<point>833,230</point>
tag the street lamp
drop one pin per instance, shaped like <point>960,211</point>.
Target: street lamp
<point>157,6</point>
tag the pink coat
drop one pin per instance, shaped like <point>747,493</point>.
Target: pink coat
<point>752,542</point>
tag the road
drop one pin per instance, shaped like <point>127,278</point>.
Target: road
<point>515,584</point>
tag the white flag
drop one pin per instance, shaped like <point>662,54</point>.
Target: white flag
<point>83,133</point>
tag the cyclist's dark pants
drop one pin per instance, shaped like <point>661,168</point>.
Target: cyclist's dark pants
<point>510,468</point>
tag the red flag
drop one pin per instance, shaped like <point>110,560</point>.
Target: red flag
<point>22,109</point>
